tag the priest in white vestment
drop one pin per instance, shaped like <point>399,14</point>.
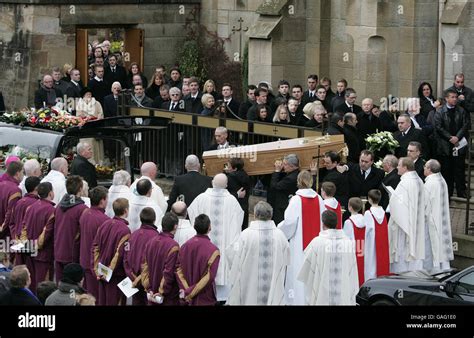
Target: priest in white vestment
<point>185,230</point>
<point>120,188</point>
<point>299,234</point>
<point>439,250</point>
<point>406,228</point>
<point>148,171</point>
<point>258,261</point>
<point>329,270</point>
<point>57,178</point>
<point>140,202</point>
<point>226,219</point>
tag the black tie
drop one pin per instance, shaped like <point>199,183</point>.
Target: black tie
<point>363,175</point>
<point>352,109</point>
<point>113,70</point>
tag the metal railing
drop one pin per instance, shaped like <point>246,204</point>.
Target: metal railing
<point>192,134</point>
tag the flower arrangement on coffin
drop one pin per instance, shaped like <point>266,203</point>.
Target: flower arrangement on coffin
<point>67,121</point>
<point>382,142</point>
<point>104,171</point>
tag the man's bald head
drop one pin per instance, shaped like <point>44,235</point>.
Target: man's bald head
<point>180,209</point>
<point>220,181</point>
<point>60,164</point>
<point>149,169</point>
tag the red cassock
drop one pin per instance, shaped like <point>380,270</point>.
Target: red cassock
<point>311,221</point>
<point>133,258</point>
<point>338,211</point>
<point>359,237</point>
<point>197,265</point>
<point>382,247</point>
<point>90,221</point>
<point>38,224</point>
<point>108,249</point>
<point>16,223</point>
<point>10,194</point>
<point>66,232</point>
<point>159,267</point>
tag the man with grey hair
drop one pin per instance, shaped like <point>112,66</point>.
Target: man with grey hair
<point>391,179</point>
<point>283,185</point>
<point>120,188</point>
<point>258,261</point>
<point>188,186</point>
<point>46,95</point>
<point>82,167</point>
<point>148,171</point>
<point>57,177</point>
<point>368,123</point>
<point>111,101</point>
<point>184,231</point>
<point>439,248</point>
<point>226,218</point>
<point>32,168</point>
<point>221,139</point>
<point>175,103</point>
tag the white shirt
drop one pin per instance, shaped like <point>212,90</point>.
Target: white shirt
<point>58,181</point>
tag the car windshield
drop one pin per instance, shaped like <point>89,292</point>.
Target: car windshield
<point>27,144</point>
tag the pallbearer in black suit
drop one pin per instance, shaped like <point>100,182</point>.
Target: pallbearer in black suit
<point>391,178</point>
<point>188,186</point>
<point>363,176</point>
<point>414,152</point>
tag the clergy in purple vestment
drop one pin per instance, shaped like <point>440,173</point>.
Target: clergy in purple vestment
<point>66,225</point>
<point>197,265</point>
<point>90,221</point>
<point>108,249</point>
<point>38,225</point>
<point>159,264</point>
<point>10,194</point>
<point>16,223</point>
<point>134,255</point>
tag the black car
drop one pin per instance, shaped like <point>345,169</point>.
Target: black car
<point>118,133</point>
<point>419,288</point>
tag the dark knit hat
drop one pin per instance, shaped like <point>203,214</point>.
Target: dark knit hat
<point>73,273</point>
<point>86,90</point>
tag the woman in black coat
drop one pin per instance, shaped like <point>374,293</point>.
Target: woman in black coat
<point>428,102</point>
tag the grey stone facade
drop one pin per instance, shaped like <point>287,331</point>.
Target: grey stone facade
<point>381,47</point>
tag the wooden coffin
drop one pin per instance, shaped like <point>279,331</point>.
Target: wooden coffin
<point>259,159</point>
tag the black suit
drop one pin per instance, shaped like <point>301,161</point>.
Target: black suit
<point>190,185</point>
<point>19,297</point>
<point>448,123</point>
<point>100,89</point>
<point>419,168</point>
<point>237,180</point>
<point>110,106</point>
<point>282,187</point>
<point>352,140</point>
<point>74,90</point>
<point>41,97</point>
<point>244,108</point>
<point>344,108</point>
<point>82,167</point>
<point>234,106</point>
<point>119,75</point>
<point>305,99</point>
<point>367,124</point>
<point>413,134</point>
<point>339,180</point>
<point>391,179</point>
<point>193,105</point>
<point>179,106</point>
<point>359,186</point>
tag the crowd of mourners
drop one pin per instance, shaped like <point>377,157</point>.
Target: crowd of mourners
<point>199,246</point>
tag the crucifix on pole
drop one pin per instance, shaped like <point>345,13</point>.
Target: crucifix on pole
<point>241,30</point>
